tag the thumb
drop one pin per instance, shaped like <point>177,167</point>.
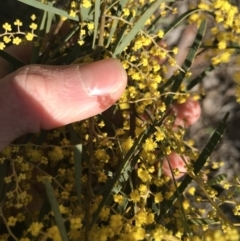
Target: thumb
<point>43,97</point>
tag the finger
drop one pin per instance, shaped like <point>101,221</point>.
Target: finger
<point>43,97</point>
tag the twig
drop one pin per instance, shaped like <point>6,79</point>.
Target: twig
<point>7,227</point>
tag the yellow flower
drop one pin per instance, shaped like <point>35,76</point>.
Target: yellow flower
<point>186,204</point>
<point>159,134</point>
<point>102,177</point>
<point>204,6</point>
<point>168,195</point>
<point>160,33</point>
<point>35,228</point>
<point>225,57</point>
<point>54,234</point>
<point>86,3</point>
<point>162,6</point>
<point>6,39</point>
<point>175,11</point>
<point>73,13</point>
<point>76,223</point>
<point>2,46</point>
<point>7,179</point>
<point>149,145</point>
<point>168,150</point>
<point>125,64</point>
<point>222,44</point>
<point>118,198</point>
<point>135,196</point>
<point>159,232</point>
<point>175,50</point>
<point>16,41</point>
<point>232,234</point>
<point>104,214</point>
<point>144,217</point>
<point>158,197</point>
<point>126,12</point>
<point>17,22</point>
<point>90,26</point>
<point>56,154</point>
<point>150,218</point>
<point>7,27</point>
<point>11,221</point>
<point>116,221</point>
<point>33,26</point>
<point>144,175</point>
<point>33,17</point>
<point>83,32</point>
<point>63,209</point>
<point>80,42</point>
<point>65,195</point>
<point>101,155</point>
<point>192,190</point>
<point>127,144</point>
<point>143,189</point>
<point>29,36</point>
<point>194,17</point>
<point>138,233</point>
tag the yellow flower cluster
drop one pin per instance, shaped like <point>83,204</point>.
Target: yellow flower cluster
<point>14,37</point>
<point>140,191</point>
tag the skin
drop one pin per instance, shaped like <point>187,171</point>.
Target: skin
<point>39,97</point>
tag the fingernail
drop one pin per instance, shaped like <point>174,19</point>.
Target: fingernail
<point>102,77</point>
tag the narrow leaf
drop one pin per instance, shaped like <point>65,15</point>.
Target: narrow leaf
<point>50,17</point>
<point>73,135</point>
<point>199,78</point>
<point>121,5</point>
<point>15,62</point>
<point>56,211</point>
<point>40,33</point>
<point>138,26</point>
<point>216,180</point>
<point>202,221</point>
<point>45,209</point>
<point>96,20</point>
<point>48,8</point>
<point>177,80</point>
<point>121,33</point>
<point>86,14</point>
<point>78,169</point>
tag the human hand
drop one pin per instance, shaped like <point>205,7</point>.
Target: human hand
<point>39,97</point>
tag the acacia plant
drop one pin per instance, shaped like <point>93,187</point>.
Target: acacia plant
<point>128,173</point>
